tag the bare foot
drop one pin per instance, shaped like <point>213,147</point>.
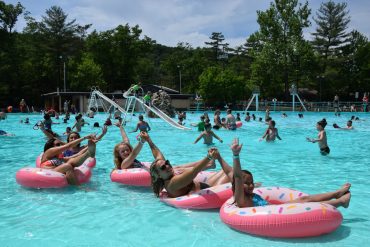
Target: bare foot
<point>91,146</point>
<point>346,198</point>
<point>345,188</point>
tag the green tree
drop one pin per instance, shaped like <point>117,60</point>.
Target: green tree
<point>278,50</point>
<point>9,15</point>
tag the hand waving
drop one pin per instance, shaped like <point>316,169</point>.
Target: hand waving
<point>235,147</point>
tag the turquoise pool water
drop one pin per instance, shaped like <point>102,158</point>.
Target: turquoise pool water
<point>102,213</point>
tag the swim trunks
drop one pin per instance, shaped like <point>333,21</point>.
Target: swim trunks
<point>203,185</point>
<point>325,150</point>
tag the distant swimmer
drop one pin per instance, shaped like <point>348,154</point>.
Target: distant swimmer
<point>348,127</point>
<point>271,133</point>
<point>142,125</point>
<point>322,139</point>
<point>3,133</point>
<point>208,135</point>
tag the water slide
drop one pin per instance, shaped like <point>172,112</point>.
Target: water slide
<point>160,114</point>
<point>153,109</point>
<point>101,95</point>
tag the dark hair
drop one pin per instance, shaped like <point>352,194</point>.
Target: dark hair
<point>49,144</point>
<point>322,123</point>
<point>141,117</point>
<point>96,124</point>
<point>273,123</point>
<point>157,182</point>
<point>233,182</point>
<point>207,126</point>
<point>76,133</point>
<point>46,116</point>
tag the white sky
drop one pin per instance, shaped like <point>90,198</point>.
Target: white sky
<point>172,21</point>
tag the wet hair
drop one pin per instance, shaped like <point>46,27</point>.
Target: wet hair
<point>49,144</point>
<point>157,182</point>
<point>353,117</point>
<point>202,117</point>
<point>247,113</point>
<point>233,182</point>
<point>46,116</point>
<point>322,123</point>
<point>228,111</point>
<point>96,124</point>
<point>349,121</point>
<point>141,117</point>
<point>117,158</point>
<point>78,117</point>
<point>207,126</point>
<point>273,123</point>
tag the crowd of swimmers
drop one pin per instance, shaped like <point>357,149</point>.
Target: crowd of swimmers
<point>64,155</point>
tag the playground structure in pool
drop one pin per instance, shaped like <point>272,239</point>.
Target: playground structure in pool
<point>98,99</point>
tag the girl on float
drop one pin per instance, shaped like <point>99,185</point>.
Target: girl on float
<point>242,186</point>
<point>164,176</point>
<point>78,148</point>
<point>53,158</point>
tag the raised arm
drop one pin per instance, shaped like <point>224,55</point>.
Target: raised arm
<point>52,152</point>
<point>179,181</point>
<point>123,132</point>
<point>239,194</point>
<point>216,136</point>
<point>126,163</point>
<point>104,131</point>
<point>157,154</point>
<point>224,165</point>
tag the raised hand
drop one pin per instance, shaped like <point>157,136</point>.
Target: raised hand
<point>235,147</point>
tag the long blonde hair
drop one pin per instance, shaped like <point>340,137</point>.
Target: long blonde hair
<point>117,158</point>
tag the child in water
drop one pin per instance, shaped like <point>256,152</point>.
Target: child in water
<point>208,135</point>
<point>321,140</point>
<point>142,125</point>
<point>271,133</point>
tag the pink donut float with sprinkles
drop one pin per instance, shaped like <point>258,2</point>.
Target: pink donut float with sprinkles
<point>34,177</point>
<point>212,197</point>
<point>288,220</point>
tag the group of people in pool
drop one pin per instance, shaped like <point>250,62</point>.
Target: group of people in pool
<point>176,180</point>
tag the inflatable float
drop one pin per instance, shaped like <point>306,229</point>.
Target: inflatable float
<point>35,177</point>
<point>288,220</point>
<point>141,176</point>
<point>212,197</point>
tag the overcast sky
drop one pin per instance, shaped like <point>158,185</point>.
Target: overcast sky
<point>172,21</point>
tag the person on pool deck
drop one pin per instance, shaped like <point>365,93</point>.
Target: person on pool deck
<point>208,135</point>
<point>142,125</point>
<point>164,177</point>
<point>348,127</point>
<point>53,158</point>
<point>271,133</point>
<point>322,139</point>
<point>243,186</point>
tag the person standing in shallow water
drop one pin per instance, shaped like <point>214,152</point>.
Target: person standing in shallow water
<point>322,139</point>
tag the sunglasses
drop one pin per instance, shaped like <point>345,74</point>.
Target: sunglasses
<point>164,165</point>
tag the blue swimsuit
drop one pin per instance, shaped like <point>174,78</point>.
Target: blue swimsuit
<point>259,201</point>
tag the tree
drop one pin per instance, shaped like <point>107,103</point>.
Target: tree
<point>9,15</point>
<point>278,47</point>
<point>219,49</point>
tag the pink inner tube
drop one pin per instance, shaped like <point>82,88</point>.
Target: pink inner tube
<point>212,197</point>
<point>239,124</point>
<point>288,220</point>
<point>141,176</point>
<point>45,178</point>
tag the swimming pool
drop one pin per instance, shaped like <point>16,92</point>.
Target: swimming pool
<point>102,213</point>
